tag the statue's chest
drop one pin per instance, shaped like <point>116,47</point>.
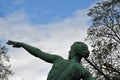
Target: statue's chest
<point>61,65</point>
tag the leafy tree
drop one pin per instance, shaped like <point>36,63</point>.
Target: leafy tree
<point>4,67</point>
<point>104,36</point>
<point>4,60</point>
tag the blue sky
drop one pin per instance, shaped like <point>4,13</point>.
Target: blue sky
<point>50,25</point>
<point>45,11</point>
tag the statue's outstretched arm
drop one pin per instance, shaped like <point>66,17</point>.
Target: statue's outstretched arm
<point>35,51</point>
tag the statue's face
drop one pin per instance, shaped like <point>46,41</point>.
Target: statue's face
<point>71,54</point>
<point>79,49</point>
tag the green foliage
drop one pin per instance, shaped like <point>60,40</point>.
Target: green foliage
<point>4,67</point>
<point>104,36</point>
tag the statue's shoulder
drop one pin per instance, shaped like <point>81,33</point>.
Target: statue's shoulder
<point>80,68</point>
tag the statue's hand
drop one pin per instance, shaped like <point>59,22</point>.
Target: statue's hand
<point>14,43</point>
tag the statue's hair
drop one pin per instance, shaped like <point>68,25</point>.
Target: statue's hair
<point>80,48</point>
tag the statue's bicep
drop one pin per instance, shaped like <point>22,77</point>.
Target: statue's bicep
<point>49,57</point>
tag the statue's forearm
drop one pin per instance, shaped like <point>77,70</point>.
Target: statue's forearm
<point>32,50</point>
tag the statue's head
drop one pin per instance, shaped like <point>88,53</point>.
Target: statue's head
<point>79,49</point>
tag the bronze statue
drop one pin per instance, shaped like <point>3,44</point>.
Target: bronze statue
<point>62,69</point>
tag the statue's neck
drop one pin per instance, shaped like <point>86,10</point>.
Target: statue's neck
<point>76,59</point>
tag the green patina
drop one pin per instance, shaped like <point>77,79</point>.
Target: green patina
<point>62,69</point>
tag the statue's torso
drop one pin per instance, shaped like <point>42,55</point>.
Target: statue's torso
<point>66,70</point>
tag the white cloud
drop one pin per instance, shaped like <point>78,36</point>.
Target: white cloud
<point>54,38</point>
